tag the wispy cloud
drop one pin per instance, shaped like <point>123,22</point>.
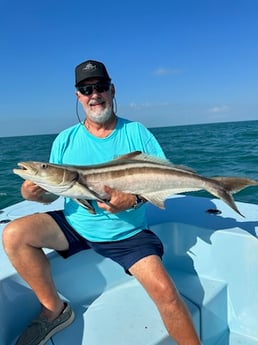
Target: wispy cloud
<point>219,109</point>
<point>147,105</point>
<point>162,71</point>
<point>140,105</point>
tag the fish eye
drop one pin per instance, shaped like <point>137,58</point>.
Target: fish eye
<point>44,165</point>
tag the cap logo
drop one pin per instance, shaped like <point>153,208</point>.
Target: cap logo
<point>89,67</point>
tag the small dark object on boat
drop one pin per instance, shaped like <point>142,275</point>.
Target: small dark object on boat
<point>5,221</point>
<point>213,211</point>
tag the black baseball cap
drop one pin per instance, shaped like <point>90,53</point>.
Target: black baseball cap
<point>90,69</point>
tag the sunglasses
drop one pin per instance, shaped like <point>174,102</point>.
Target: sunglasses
<point>100,87</point>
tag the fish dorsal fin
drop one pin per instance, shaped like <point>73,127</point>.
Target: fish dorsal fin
<point>143,157</point>
<point>130,155</point>
<point>140,156</point>
<point>162,161</point>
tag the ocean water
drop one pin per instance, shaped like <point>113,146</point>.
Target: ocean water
<point>221,149</point>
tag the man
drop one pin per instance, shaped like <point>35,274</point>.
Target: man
<point>120,233</point>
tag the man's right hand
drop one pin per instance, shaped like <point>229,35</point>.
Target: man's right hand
<point>31,191</point>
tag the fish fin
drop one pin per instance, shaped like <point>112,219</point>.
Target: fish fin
<point>155,201</point>
<point>162,161</point>
<point>219,189</point>
<point>157,198</point>
<point>154,159</point>
<point>235,184</point>
<point>101,199</point>
<point>86,204</point>
<point>98,197</point>
<point>226,196</point>
<point>140,156</point>
<point>130,155</point>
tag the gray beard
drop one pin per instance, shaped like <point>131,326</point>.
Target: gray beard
<point>100,116</point>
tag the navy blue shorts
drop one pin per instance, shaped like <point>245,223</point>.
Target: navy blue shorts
<point>125,252</point>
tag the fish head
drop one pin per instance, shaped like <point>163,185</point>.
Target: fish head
<point>46,174</point>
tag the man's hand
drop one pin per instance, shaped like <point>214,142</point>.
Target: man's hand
<point>31,191</point>
<point>119,201</point>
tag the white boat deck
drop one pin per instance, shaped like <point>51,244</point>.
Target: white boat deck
<point>212,258</point>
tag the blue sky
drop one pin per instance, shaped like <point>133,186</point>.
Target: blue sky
<point>173,62</point>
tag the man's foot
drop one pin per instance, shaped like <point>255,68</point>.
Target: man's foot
<point>41,330</point>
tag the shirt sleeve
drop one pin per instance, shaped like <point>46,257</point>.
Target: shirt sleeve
<point>56,151</point>
<point>151,145</point>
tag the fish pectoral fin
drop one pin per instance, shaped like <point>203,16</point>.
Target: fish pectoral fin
<point>235,184</point>
<point>86,204</point>
<point>98,197</point>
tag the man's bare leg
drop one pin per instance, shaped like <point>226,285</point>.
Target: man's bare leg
<point>23,240</point>
<point>151,273</point>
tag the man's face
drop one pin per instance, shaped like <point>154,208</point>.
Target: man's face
<point>96,97</point>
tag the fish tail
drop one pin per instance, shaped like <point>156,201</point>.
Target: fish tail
<point>225,186</point>
<point>226,196</point>
<point>235,184</point>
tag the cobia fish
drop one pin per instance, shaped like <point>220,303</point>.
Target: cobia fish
<point>136,173</point>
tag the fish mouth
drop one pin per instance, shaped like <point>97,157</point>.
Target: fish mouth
<point>22,166</point>
<point>25,168</point>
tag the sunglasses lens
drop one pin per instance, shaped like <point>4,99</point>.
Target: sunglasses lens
<point>87,90</point>
<point>101,87</point>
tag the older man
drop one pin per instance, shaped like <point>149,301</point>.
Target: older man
<point>118,230</point>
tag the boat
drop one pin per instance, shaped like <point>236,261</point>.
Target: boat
<point>211,253</point>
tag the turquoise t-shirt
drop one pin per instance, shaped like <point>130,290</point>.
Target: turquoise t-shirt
<point>77,146</point>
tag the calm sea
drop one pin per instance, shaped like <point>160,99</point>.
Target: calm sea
<point>225,149</point>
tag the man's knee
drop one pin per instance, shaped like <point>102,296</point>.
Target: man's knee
<point>12,236</point>
<point>167,293</point>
